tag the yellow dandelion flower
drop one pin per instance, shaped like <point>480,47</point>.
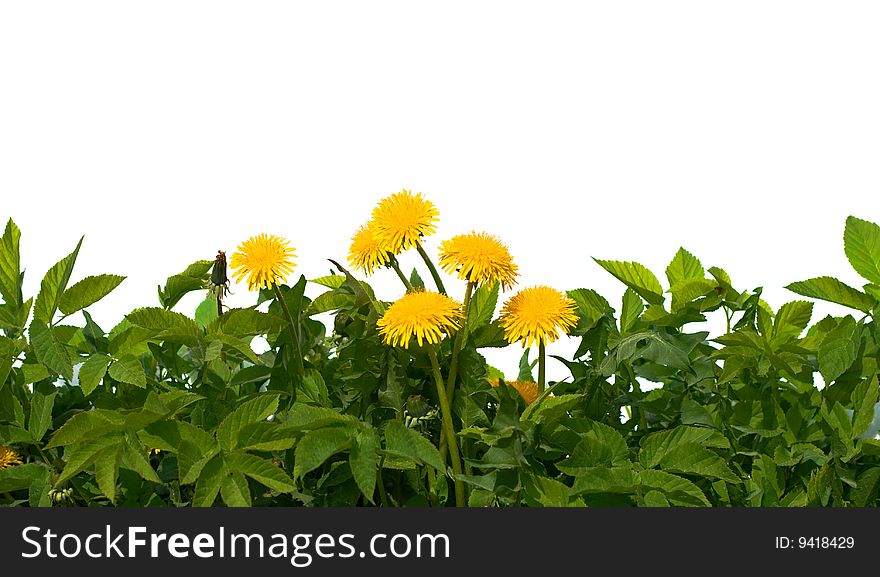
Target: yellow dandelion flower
<point>479,258</point>
<point>368,250</point>
<point>536,314</point>
<point>403,218</point>
<point>264,260</point>
<point>8,458</point>
<point>425,314</point>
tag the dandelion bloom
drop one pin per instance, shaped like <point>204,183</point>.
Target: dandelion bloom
<point>536,314</point>
<point>8,458</point>
<point>528,390</point>
<point>403,218</point>
<point>479,258</point>
<point>368,251</point>
<point>425,314</point>
<point>263,259</point>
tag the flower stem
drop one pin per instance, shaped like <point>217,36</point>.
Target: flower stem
<point>294,330</point>
<point>542,367</point>
<point>453,362</point>
<point>434,274</point>
<point>396,266</point>
<point>448,427</point>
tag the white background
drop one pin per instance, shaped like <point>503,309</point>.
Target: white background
<point>165,131</point>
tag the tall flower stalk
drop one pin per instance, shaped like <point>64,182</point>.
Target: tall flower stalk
<point>426,316</point>
<point>263,261</point>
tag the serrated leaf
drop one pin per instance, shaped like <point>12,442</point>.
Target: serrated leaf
<point>21,476</point>
<point>7,351</point>
<point>128,369</point>
<point>191,279</point>
<point>10,266</point>
<point>688,290</point>
<point>260,470</point>
<point>319,445</point>
<point>206,311</point>
<point>591,306</point>
<point>50,351</point>
<point>482,306</point>
<point>41,413</point>
<point>830,289</point>
<point>693,459</point>
<point>792,319</point>
<point>246,323</point>
<point>677,490</point>
<point>208,484</point>
<point>631,310</point>
<point>364,462</point>
<point>656,446</point>
<point>838,350</point>
<point>251,411</point>
<point>87,425</point>
<point>92,372</point>
<point>604,480</point>
<point>80,456</point>
<point>87,292</point>
<point>684,266</point>
<point>135,458</point>
<point>864,398</point>
<point>264,436</point>
<point>406,442</point>
<point>192,459</point>
<point>234,490</point>
<point>551,409</point>
<point>303,417</point>
<point>861,243</point>
<point>107,470</point>
<point>53,285</point>
<point>333,281</point>
<point>637,277</point>
<point>165,323</point>
<point>330,301</point>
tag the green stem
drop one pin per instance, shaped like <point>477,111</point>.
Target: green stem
<point>294,330</point>
<point>396,266</point>
<point>446,413</point>
<point>542,367</point>
<point>453,362</point>
<point>434,274</point>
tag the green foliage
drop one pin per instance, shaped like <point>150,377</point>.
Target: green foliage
<point>176,408</point>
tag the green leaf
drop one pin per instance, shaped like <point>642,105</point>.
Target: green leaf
<point>657,446</point>
<point>135,458</point>
<point>631,310</point>
<point>235,491</point>
<point>677,490</point>
<point>208,484</point>
<point>333,281</point>
<point>792,319</point>
<point>192,459</point>
<point>10,266</point>
<point>482,307</point>
<point>87,425</point>
<point>80,456</point>
<point>415,280</point>
<point>260,470</point>
<point>92,372</point>
<point>861,243</point>
<point>21,476</point>
<point>636,277</point>
<point>87,292</point>
<point>364,462</point>
<point>251,411</point>
<point>693,459</point>
<point>164,323</point>
<point>689,290</point>
<point>42,404</point>
<point>864,397</point>
<point>302,417</point>
<point>34,373</point>
<point>265,436</point>
<point>193,278</point>
<point>318,446</point>
<point>525,367</point>
<point>330,301</point>
<point>830,289</point>
<point>107,470</point>
<point>551,409</point>
<point>246,323</point>
<point>313,389</point>
<point>838,350</point>
<point>206,312</point>
<point>7,351</point>
<point>684,266</point>
<point>867,488</point>
<point>129,369</point>
<point>591,306</point>
<point>604,480</point>
<point>53,285</point>
<point>406,442</point>
<point>50,351</point>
